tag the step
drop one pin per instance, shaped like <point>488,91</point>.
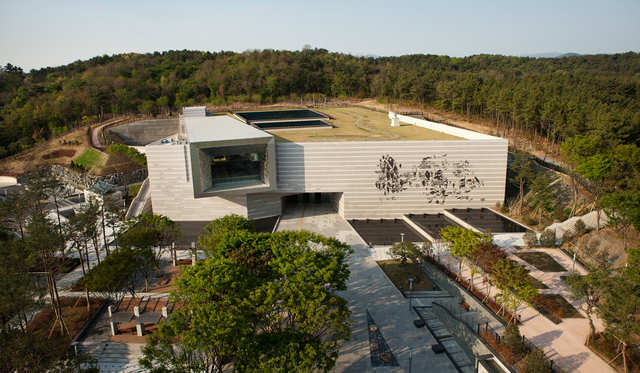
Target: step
<point>460,358</point>
<point>441,333</point>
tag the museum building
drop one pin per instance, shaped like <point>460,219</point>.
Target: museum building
<point>220,164</point>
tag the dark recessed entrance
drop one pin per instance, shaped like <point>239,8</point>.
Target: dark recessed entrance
<point>304,199</point>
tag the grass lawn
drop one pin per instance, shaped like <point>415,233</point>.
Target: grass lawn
<point>378,127</point>
<point>89,158</point>
<point>556,306</point>
<point>542,261</point>
<point>396,272</point>
<point>536,284</point>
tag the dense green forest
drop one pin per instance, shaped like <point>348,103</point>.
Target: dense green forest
<point>596,95</point>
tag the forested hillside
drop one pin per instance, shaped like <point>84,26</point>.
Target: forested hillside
<point>596,95</point>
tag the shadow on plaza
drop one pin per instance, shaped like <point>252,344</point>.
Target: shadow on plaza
<point>572,362</point>
<point>545,339</point>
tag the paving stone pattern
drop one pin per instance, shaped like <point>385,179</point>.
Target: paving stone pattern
<point>376,337</point>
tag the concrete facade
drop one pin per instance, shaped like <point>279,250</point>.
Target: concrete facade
<point>362,179</point>
<point>430,175</point>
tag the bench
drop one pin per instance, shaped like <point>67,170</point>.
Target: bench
<point>464,305</point>
<point>128,328</point>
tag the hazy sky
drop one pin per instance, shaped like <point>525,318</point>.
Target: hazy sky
<point>37,34</point>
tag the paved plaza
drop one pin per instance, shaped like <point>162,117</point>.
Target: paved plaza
<point>369,289</point>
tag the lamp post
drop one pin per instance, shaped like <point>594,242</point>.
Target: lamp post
<point>410,289</point>
<point>410,348</point>
<point>401,237</point>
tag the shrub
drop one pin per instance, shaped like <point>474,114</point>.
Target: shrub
<point>134,190</point>
<point>513,340</point>
<point>530,238</point>
<point>567,236</point>
<point>579,228</point>
<point>560,213</point>
<point>530,220</point>
<point>404,250</point>
<point>427,248</point>
<point>536,362</point>
<point>548,238</point>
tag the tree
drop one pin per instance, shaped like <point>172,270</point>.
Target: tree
<point>404,250</point>
<point>137,242</point>
<point>221,226</point>
<point>266,302</point>
<point>461,242</point>
<point>512,280</point>
<point>18,296</point>
<point>620,309</point>
<point>153,232</point>
<point>486,256</point>
<point>45,243</point>
<point>623,210</point>
<point>596,168</point>
<point>590,289</point>
<point>114,214</point>
<point>542,198</point>
<point>521,166</point>
<point>115,276</point>
<point>88,222</point>
<point>576,151</point>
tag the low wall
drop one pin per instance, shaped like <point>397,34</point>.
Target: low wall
<point>467,339</point>
<point>457,291</point>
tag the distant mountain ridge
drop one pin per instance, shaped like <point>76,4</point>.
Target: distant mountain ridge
<point>551,55</point>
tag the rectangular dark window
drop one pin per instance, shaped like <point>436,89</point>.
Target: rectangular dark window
<point>235,168</point>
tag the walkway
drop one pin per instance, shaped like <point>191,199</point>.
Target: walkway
<point>369,289</point>
<point>563,342</point>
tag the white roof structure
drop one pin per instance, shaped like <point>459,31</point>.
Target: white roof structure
<point>194,111</point>
<point>220,128</point>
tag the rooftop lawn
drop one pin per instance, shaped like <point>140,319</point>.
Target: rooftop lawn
<point>372,125</point>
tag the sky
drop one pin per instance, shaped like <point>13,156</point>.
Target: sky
<point>36,34</point>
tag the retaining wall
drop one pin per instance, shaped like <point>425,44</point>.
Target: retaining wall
<point>68,176</point>
<point>453,288</point>
<point>467,339</point>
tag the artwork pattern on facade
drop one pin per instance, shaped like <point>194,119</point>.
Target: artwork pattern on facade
<point>439,178</point>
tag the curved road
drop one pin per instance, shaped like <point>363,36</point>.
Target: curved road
<point>95,135</point>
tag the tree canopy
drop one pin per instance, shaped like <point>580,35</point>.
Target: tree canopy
<point>556,97</point>
<point>266,302</point>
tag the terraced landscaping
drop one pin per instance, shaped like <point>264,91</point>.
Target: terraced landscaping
<point>542,261</point>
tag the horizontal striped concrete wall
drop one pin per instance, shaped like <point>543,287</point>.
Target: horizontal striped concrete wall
<point>262,205</point>
<point>351,170</point>
<point>172,189</point>
<point>354,168</point>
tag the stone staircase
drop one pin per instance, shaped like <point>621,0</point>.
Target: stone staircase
<point>443,336</point>
<point>114,357</point>
<point>425,294</point>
